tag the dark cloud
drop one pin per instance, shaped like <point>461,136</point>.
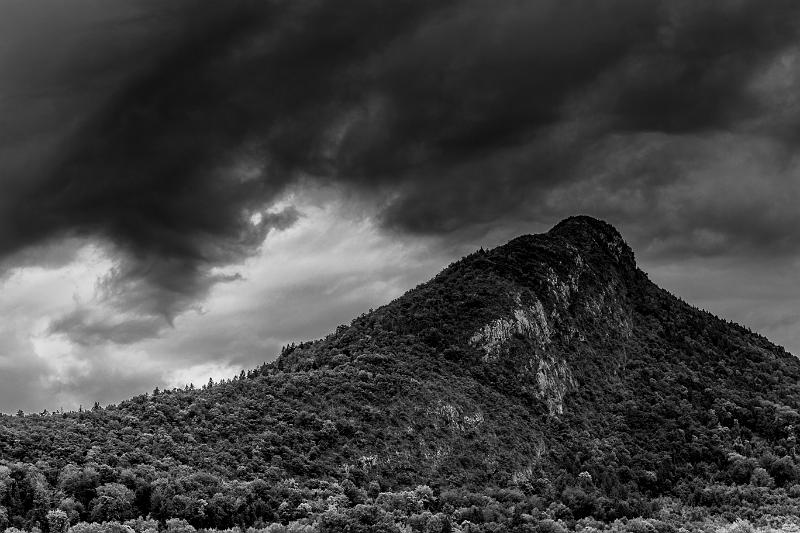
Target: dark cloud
<point>142,294</point>
<point>451,115</point>
<point>174,165</point>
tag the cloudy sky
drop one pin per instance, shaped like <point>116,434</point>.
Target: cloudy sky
<point>189,185</point>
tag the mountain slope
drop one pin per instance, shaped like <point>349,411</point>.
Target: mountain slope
<point>550,365</point>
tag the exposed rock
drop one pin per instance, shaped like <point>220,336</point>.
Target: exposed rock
<point>456,417</point>
<point>554,377</point>
<point>529,322</point>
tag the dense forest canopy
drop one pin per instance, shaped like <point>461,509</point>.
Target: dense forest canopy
<point>546,385</point>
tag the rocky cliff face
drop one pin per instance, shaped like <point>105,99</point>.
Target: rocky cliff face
<point>552,374</point>
<point>549,312</point>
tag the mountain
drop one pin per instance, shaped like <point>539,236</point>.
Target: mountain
<point>537,385</point>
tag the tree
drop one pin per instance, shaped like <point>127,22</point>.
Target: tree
<point>113,502</point>
<point>176,525</point>
<point>79,482</point>
<point>72,508</point>
<point>353,493</point>
<point>761,478</point>
<point>57,521</point>
<point>374,489</point>
<point>740,468</point>
<point>784,471</point>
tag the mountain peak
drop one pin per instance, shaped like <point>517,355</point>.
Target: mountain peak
<point>589,233</point>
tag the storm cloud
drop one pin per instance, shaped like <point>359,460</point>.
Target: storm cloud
<point>171,132</point>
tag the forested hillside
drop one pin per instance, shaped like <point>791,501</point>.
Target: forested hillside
<point>546,385</point>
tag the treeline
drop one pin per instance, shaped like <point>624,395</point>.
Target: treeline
<point>344,507</point>
<point>99,499</point>
<point>99,493</point>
